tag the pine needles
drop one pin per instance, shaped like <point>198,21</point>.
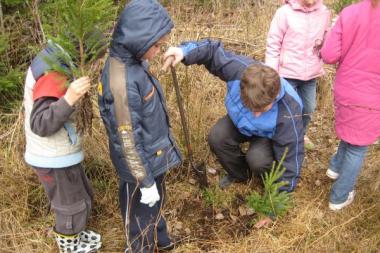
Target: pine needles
<point>273,203</point>
<point>79,30</point>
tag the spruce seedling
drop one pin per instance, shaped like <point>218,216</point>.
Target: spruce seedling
<point>272,203</point>
<point>79,29</point>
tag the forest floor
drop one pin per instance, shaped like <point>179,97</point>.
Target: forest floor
<point>218,220</point>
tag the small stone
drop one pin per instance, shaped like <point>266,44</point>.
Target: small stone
<point>212,171</point>
<point>318,182</point>
<point>219,216</point>
<point>187,231</point>
<point>192,181</point>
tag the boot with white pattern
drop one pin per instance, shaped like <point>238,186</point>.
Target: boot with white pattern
<point>74,244</point>
<point>90,236</point>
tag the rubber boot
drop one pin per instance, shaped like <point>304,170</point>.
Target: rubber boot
<point>74,244</point>
<point>90,236</point>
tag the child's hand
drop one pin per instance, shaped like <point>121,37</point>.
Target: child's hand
<point>172,57</point>
<point>77,89</point>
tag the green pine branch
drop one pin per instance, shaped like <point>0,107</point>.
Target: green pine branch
<point>272,202</point>
<point>79,27</point>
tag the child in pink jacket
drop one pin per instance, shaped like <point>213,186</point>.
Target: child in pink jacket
<point>294,39</point>
<point>354,43</point>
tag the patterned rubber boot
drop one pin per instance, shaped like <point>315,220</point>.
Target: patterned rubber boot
<point>74,244</point>
<point>90,236</point>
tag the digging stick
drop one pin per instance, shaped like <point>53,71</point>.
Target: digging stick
<point>199,169</point>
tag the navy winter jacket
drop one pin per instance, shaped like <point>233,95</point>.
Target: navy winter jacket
<point>282,123</point>
<point>131,101</point>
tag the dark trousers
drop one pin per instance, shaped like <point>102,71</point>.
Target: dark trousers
<point>225,140</point>
<point>145,227</point>
<point>70,195</point>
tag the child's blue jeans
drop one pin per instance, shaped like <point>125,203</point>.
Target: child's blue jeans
<point>307,90</point>
<point>347,162</point>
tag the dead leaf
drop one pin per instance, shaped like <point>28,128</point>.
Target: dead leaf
<point>234,218</point>
<point>242,211</point>
<point>219,216</point>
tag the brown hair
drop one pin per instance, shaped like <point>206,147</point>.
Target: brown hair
<point>259,86</point>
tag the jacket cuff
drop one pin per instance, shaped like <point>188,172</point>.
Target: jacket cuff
<point>147,182</point>
<point>64,110</point>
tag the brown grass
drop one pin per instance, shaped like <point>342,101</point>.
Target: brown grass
<point>308,227</point>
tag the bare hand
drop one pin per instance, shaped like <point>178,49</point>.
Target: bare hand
<point>172,57</point>
<point>77,89</point>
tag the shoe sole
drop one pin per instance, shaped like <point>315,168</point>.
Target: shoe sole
<point>331,174</point>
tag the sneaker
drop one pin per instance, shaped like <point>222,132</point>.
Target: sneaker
<point>309,145</point>
<point>332,174</point>
<point>337,207</point>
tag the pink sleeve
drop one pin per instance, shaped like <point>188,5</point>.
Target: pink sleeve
<point>275,37</point>
<point>331,51</point>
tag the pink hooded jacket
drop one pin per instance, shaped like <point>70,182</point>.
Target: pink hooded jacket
<point>294,34</point>
<point>354,43</point>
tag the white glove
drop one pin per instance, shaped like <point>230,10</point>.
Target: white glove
<point>149,196</point>
<point>172,57</point>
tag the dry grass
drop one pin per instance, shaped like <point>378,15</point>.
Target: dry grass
<point>309,226</point>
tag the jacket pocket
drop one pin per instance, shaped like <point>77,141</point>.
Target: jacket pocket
<point>159,156</point>
<point>72,218</point>
<point>150,102</point>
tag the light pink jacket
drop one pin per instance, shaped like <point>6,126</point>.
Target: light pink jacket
<point>354,43</point>
<point>294,33</point>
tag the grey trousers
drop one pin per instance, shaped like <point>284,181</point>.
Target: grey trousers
<point>70,195</point>
<point>225,139</point>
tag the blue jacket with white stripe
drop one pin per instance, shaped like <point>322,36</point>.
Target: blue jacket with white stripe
<point>282,123</point>
<point>131,101</point>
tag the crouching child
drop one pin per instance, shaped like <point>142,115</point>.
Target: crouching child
<point>262,109</point>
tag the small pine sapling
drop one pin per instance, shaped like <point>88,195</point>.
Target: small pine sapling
<point>79,29</point>
<point>272,203</point>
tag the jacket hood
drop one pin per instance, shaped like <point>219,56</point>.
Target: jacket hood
<point>141,24</point>
<point>52,57</point>
<point>296,5</point>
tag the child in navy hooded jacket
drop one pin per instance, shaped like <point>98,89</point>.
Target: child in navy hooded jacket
<point>133,109</point>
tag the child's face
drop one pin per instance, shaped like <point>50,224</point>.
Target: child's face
<point>308,3</point>
<point>156,48</point>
